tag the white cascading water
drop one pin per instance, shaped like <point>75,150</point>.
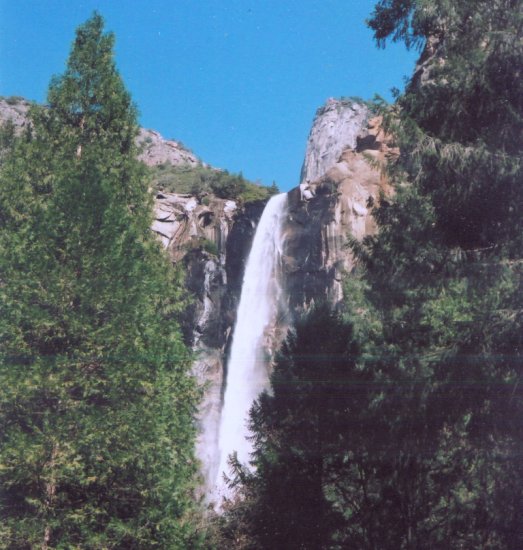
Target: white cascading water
<point>247,369</point>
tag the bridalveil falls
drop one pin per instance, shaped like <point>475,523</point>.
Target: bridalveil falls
<point>301,234</point>
<point>247,369</point>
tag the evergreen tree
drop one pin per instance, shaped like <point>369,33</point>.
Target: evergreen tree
<point>96,400</point>
<point>445,279</point>
<point>7,138</point>
<point>462,123</point>
<point>290,499</point>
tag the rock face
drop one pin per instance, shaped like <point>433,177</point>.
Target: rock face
<point>157,150</point>
<point>432,56</point>
<point>184,222</point>
<point>327,209</point>
<point>335,128</point>
<point>14,110</point>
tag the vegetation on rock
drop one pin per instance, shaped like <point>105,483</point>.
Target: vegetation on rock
<point>201,180</point>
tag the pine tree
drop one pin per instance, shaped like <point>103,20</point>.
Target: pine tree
<point>445,279</point>
<point>96,400</point>
<point>462,117</point>
<point>290,499</point>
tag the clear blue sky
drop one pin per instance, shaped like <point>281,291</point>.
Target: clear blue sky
<point>238,81</point>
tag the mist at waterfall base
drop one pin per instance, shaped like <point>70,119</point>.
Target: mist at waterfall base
<point>247,369</point>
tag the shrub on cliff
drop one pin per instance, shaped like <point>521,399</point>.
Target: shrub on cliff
<point>199,180</point>
<point>96,400</point>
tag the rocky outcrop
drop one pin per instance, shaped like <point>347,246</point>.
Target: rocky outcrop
<point>212,237</point>
<point>14,110</point>
<point>335,128</point>
<point>325,212</point>
<point>154,149</point>
<point>184,222</point>
<point>431,57</point>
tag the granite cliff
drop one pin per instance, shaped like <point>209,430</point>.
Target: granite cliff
<point>341,176</point>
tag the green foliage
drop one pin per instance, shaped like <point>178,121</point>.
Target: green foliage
<point>7,138</point>
<point>210,247</point>
<point>199,180</point>
<point>394,18</point>
<point>96,400</point>
<point>357,100</point>
<point>201,243</point>
<point>461,132</point>
<point>290,499</point>
<point>443,278</point>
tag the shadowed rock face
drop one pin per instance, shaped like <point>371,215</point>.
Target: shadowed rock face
<point>307,274</point>
<point>213,241</point>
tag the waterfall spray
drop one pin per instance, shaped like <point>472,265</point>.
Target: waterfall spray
<point>247,369</point>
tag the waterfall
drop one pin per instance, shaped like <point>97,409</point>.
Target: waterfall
<point>247,369</point>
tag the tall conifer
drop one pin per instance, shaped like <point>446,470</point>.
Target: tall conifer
<point>96,400</point>
<point>445,275</point>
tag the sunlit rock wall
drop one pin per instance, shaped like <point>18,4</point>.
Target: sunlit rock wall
<point>340,181</point>
<point>335,128</point>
